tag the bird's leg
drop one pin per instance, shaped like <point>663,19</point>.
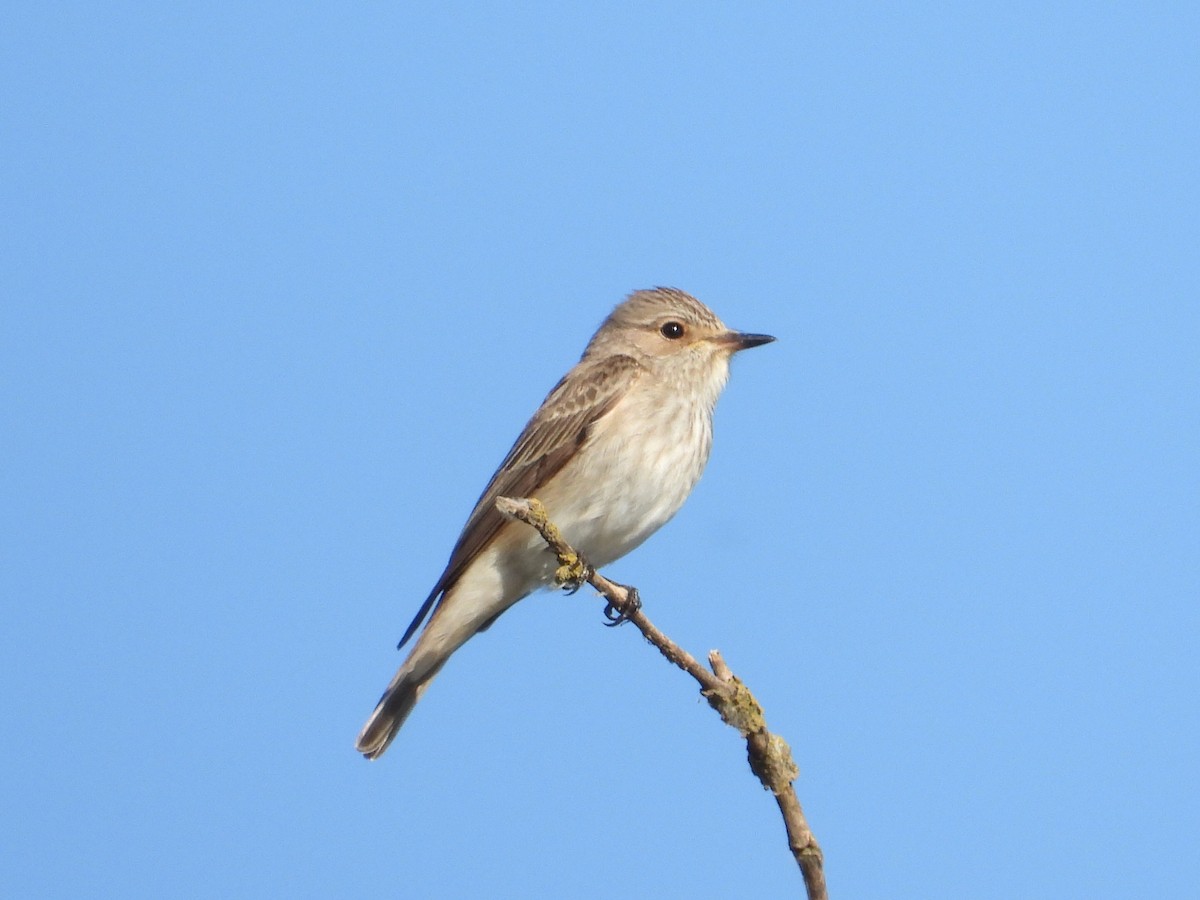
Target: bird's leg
<point>574,571</point>
<point>632,603</point>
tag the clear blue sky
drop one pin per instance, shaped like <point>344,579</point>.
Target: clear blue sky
<point>282,282</point>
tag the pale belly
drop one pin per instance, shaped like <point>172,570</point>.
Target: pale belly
<point>631,477</point>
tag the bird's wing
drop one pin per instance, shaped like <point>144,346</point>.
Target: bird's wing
<point>557,430</point>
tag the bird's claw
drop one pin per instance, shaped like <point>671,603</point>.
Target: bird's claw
<point>573,574</point>
<point>633,603</point>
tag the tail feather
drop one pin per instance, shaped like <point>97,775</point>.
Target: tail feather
<point>393,708</point>
<point>467,608</point>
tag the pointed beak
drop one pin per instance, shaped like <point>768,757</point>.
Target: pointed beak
<point>740,340</point>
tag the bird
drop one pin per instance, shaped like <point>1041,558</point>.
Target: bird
<point>612,453</point>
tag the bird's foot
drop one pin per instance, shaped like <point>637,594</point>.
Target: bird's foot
<point>633,603</point>
<point>573,573</point>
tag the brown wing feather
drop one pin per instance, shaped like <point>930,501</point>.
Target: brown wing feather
<point>555,432</point>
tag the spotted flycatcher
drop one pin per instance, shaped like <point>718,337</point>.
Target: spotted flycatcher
<point>612,453</point>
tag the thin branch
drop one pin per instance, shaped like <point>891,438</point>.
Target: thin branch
<point>769,755</point>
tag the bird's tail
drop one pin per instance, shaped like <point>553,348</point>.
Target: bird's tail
<point>391,711</point>
<point>459,616</point>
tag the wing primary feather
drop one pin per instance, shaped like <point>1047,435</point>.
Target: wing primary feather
<point>420,617</point>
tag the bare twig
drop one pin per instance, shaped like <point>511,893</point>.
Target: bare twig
<point>769,755</point>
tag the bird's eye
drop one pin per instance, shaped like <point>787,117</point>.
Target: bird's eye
<point>671,330</point>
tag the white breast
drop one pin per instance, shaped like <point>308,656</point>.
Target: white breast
<point>636,469</point>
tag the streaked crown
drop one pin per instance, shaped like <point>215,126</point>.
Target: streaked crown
<point>646,307</point>
<point>658,322</point>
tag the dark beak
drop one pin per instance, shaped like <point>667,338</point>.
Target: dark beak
<point>739,340</point>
